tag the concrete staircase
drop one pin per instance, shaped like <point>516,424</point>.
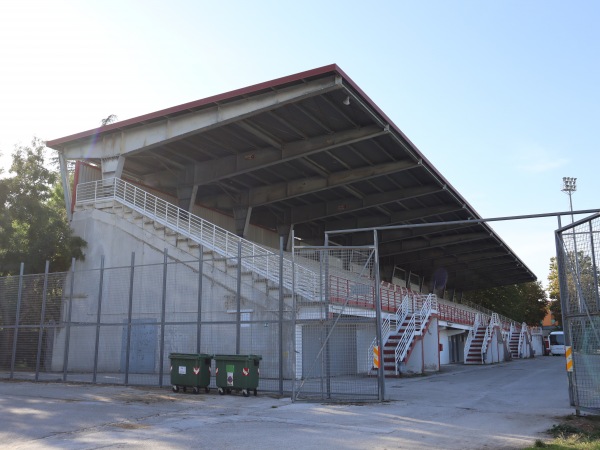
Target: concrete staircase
<point>474,354</point>
<point>390,365</point>
<point>220,270</point>
<point>513,343</point>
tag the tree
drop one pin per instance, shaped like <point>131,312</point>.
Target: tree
<point>108,120</point>
<point>554,290</point>
<point>33,225</point>
<point>579,276</point>
<point>524,302</point>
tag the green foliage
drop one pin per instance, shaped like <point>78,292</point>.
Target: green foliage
<point>554,290</point>
<point>33,225</point>
<point>579,277</point>
<point>524,302</point>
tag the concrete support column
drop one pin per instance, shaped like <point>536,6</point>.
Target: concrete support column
<point>64,176</point>
<point>241,216</point>
<point>112,167</point>
<point>186,196</point>
<point>285,231</point>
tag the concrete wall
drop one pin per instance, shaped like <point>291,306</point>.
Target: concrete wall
<point>431,342</point>
<point>116,238</point>
<point>537,343</point>
<point>445,336</point>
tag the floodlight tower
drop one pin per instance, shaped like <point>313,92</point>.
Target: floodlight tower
<point>570,186</point>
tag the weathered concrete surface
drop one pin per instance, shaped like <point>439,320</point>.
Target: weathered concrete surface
<point>464,407</point>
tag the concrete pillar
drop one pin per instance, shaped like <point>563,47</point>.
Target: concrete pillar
<point>285,230</point>
<point>112,167</point>
<point>64,176</point>
<point>241,216</point>
<point>186,196</point>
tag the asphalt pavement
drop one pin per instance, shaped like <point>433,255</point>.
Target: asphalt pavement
<point>503,406</point>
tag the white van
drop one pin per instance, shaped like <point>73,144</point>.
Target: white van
<point>557,343</point>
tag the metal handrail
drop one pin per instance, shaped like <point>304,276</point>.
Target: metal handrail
<point>472,332</point>
<point>260,260</point>
<point>494,322</point>
<point>522,337</point>
<point>415,325</point>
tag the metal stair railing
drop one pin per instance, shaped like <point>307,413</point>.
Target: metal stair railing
<point>386,326</point>
<point>472,333</point>
<point>513,329</point>
<point>494,322</point>
<point>260,260</point>
<point>522,338</point>
<point>415,325</point>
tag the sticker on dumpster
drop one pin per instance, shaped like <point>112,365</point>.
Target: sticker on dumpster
<point>245,371</point>
<point>182,370</point>
<point>196,370</point>
<point>230,368</point>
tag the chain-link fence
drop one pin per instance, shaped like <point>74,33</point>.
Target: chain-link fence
<point>118,325</point>
<point>578,252</point>
<point>334,336</point>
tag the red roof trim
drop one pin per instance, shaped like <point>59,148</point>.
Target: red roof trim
<point>332,68</point>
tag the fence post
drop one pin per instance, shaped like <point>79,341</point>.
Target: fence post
<point>68,327</point>
<point>281,244</point>
<point>293,321</point>
<point>129,314</point>
<point>238,319</point>
<point>199,321</point>
<point>42,318</point>
<point>162,320</point>
<point>564,292</point>
<point>594,266</point>
<point>380,370</point>
<point>17,318</point>
<point>98,319</point>
<point>327,301</point>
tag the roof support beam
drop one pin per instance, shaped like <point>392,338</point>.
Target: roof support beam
<point>282,191</point>
<point>145,136</point>
<point>214,170</point>
<point>327,209</point>
<point>420,243</point>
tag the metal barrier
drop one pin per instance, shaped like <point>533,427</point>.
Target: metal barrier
<point>578,254</point>
<point>261,260</point>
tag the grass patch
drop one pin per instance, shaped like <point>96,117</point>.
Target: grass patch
<point>573,433</point>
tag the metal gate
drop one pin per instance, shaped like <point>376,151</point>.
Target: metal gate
<point>335,330</point>
<point>578,252</point>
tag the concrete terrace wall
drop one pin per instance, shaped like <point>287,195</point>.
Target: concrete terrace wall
<point>112,236</point>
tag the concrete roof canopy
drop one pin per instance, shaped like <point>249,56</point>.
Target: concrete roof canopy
<point>309,150</point>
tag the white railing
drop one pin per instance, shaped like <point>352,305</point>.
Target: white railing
<point>416,324</point>
<point>522,339</point>
<point>260,260</point>
<point>472,333</point>
<point>513,329</point>
<point>494,322</point>
<point>386,328</point>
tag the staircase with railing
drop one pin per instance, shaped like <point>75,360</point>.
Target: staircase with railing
<point>475,339</point>
<point>494,324</point>
<point>255,258</point>
<point>514,340</point>
<point>411,320</point>
<point>299,275</point>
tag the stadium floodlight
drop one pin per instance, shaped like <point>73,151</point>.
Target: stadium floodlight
<point>570,186</point>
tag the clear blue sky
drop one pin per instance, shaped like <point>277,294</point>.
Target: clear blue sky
<point>503,97</point>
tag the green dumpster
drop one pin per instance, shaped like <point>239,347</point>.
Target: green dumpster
<point>190,370</point>
<point>237,372</point>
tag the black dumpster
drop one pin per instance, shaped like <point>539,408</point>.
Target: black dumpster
<point>237,372</point>
<point>190,370</point>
